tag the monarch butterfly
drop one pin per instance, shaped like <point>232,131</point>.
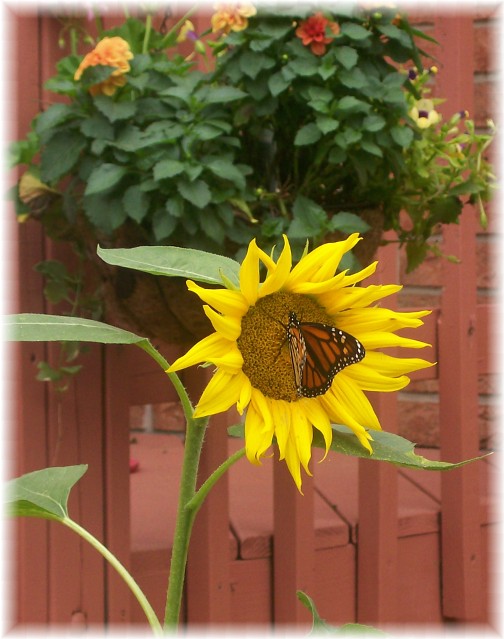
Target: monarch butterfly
<point>318,352</point>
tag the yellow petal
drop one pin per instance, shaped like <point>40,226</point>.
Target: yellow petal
<point>204,351</point>
<point>221,392</point>
<point>356,297</point>
<point>349,395</point>
<point>259,427</point>
<point>249,274</point>
<point>314,412</point>
<point>321,263</point>
<point>281,415</point>
<point>226,302</point>
<point>302,433</point>
<point>394,366</point>
<point>228,327</point>
<point>369,379</point>
<point>245,394</point>
<point>381,339</point>
<point>277,277</point>
<point>341,415</point>
<point>374,318</point>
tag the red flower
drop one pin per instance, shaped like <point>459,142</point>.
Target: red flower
<point>312,32</point>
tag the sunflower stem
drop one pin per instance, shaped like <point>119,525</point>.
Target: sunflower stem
<point>197,501</point>
<point>195,433</point>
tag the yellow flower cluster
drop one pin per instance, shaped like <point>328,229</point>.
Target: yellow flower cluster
<point>113,52</point>
<point>232,16</point>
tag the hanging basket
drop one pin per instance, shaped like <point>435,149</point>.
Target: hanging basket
<point>153,306</point>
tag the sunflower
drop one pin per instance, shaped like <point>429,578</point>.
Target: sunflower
<point>255,358</point>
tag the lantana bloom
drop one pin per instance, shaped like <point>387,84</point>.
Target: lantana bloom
<point>250,350</point>
<point>231,16</point>
<point>313,32</point>
<point>113,52</point>
<point>424,114</point>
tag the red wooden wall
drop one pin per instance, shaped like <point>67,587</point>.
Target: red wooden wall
<point>60,580</point>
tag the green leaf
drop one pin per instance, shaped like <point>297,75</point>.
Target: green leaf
<point>326,124</point>
<point>167,169</point>
<point>346,56</point>
<point>136,202</point>
<point>97,127</point>
<point>196,192</point>
<point>373,123</point>
<point>114,111</point>
<point>277,83</point>
<point>33,327</point>
<point>104,177</point>
<point>96,74</point>
<point>355,31</point>
<point>226,170</point>
<point>43,493</point>
<point>51,117</point>
<point>348,223</point>
<point>309,219</point>
<point>320,626</point>
<point>105,211</point>
<point>220,95</point>
<point>386,447</point>
<point>60,155</point>
<point>350,104</point>
<point>402,135</point>
<point>163,224</point>
<point>174,261</point>
<point>308,134</point>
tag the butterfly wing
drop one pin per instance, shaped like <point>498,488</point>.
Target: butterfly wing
<point>297,350</point>
<point>326,350</point>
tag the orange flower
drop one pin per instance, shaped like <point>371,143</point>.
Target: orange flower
<point>232,16</point>
<point>113,52</point>
<point>312,32</point>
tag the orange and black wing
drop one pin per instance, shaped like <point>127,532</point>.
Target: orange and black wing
<point>320,352</point>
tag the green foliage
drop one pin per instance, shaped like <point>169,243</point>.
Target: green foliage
<point>320,626</point>
<point>43,493</point>
<point>387,447</point>
<point>174,262</point>
<point>275,139</point>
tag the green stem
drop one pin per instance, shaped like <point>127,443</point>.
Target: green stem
<point>121,570</point>
<point>197,501</point>
<point>174,378</point>
<point>148,29</point>
<point>176,27</point>
<point>185,518</point>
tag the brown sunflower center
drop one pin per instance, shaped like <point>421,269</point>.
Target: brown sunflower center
<point>263,341</point>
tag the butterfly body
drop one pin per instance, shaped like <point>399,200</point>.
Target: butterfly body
<point>318,352</point>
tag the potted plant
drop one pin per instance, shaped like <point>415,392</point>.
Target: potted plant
<point>307,122</point>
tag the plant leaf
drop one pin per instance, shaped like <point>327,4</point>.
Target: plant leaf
<point>174,261</point>
<point>43,493</point>
<point>386,447</point>
<point>320,626</point>
<point>33,327</point>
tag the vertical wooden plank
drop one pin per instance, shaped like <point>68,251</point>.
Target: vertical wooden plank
<point>377,570</point>
<point>461,537</point>
<point>293,545</point>
<point>116,479</point>
<point>208,569</point>
<point>30,430</point>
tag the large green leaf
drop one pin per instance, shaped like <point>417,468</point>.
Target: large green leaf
<point>320,626</point>
<point>33,327</point>
<point>174,261</point>
<point>386,447</point>
<point>43,493</point>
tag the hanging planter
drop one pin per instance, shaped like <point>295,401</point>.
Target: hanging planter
<point>313,124</point>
